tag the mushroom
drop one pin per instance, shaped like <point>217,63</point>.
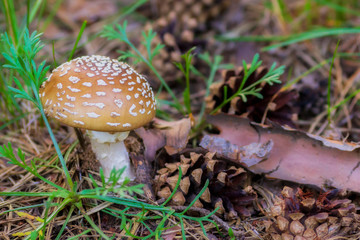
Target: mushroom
<point>106,97</point>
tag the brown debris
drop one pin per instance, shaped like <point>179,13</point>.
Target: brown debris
<point>320,221</point>
<point>171,135</point>
<point>227,187</point>
<point>275,104</point>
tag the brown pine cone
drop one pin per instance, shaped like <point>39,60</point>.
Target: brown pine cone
<point>302,215</point>
<point>227,184</point>
<point>188,15</point>
<point>275,102</point>
<point>177,24</point>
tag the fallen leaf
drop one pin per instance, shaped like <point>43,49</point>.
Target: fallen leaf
<point>173,136</point>
<point>170,234</point>
<point>295,156</point>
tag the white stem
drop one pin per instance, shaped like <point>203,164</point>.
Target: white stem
<point>111,152</point>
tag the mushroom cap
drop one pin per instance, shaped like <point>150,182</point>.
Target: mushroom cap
<point>98,93</point>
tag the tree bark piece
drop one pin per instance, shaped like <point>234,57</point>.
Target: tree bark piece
<point>295,156</point>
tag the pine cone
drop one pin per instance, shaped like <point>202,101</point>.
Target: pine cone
<point>188,15</point>
<point>276,103</point>
<point>227,188</point>
<point>299,214</point>
<point>177,24</point>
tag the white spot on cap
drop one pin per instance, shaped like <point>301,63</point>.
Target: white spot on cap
<point>71,98</point>
<point>77,70</point>
<point>73,89</point>
<point>90,74</point>
<point>131,110</point>
<point>116,90</point>
<point>136,95</point>
<point>130,89</point>
<point>87,84</point>
<point>64,73</point>
<point>113,124</point>
<point>69,111</point>
<point>79,122</point>
<point>61,115</point>
<point>69,104</point>
<point>100,93</point>
<point>88,95</point>
<point>141,102</point>
<point>128,97</point>
<point>142,111</point>
<point>148,103</point>
<point>101,82</point>
<point>93,115</point>
<point>114,114</point>
<point>60,99</point>
<point>79,61</point>
<point>59,86</point>
<point>127,125</point>
<point>74,79</point>
<point>149,112</point>
<point>111,82</point>
<point>118,103</point>
<point>131,83</point>
<point>99,105</point>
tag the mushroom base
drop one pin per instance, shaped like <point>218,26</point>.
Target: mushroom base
<point>111,152</point>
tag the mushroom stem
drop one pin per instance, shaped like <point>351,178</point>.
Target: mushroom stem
<point>111,152</point>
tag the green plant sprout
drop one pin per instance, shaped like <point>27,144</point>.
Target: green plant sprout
<point>271,77</point>
<point>21,59</point>
<point>188,56</point>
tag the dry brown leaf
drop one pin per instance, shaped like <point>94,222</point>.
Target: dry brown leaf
<point>296,156</point>
<point>170,234</point>
<point>171,135</point>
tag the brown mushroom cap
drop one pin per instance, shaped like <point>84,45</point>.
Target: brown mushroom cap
<point>98,93</point>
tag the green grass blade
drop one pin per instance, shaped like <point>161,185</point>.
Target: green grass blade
<point>76,237</point>
<point>329,84</point>
<point>316,33</point>
<point>338,8</point>
<point>77,40</point>
<point>291,39</point>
